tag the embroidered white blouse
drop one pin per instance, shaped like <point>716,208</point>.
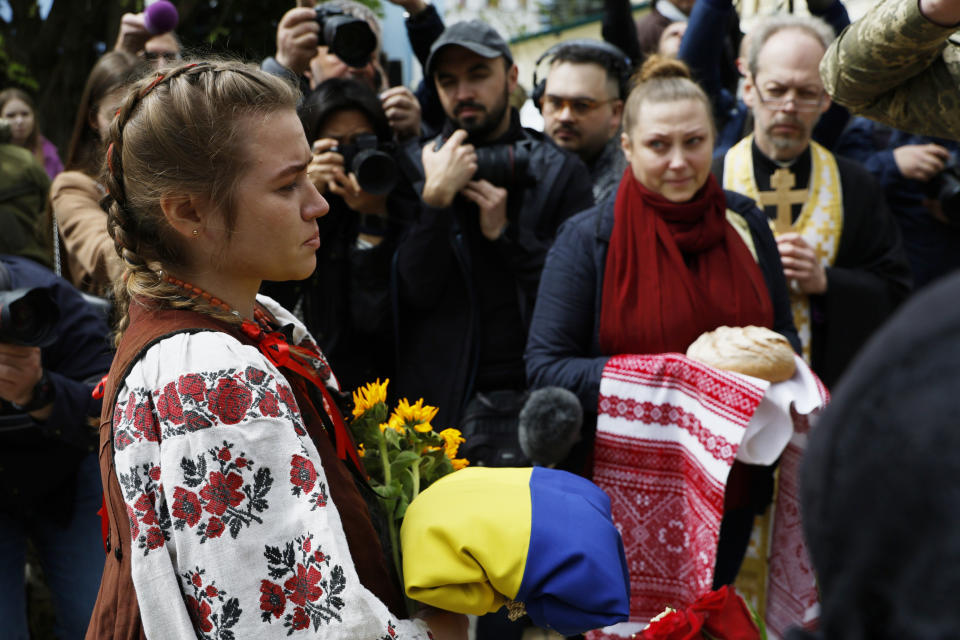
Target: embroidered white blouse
<point>233,532</point>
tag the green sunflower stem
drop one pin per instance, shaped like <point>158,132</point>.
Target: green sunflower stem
<point>415,471</point>
<point>386,461</point>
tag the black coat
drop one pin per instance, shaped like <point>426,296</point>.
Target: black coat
<point>434,282</point>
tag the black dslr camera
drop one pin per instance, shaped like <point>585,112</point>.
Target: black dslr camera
<point>350,39</point>
<point>372,163</point>
<point>28,317</point>
<point>504,165</point>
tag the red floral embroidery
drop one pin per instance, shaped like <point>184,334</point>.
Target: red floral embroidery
<point>192,385</point>
<point>221,492</point>
<point>304,479</point>
<point>230,400</point>
<point>254,375</point>
<point>200,614</point>
<point>186,506</point>
<point>300,619</point>
<point>213,614</point>
<point>286,397</point>
<point>314,593</point>
<point>272,600</point>
<point>145,506</point>
<point>214,527</point>
<point>233,493</point>
<point>269,405</point>
<point>155,538</point>
<point>303,475</point>
<point>145,423</point>
<point>305,585</point>
<point>168,405</point>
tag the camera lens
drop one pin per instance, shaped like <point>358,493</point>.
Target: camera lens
<point>376,171</point>
<point>350,39</point>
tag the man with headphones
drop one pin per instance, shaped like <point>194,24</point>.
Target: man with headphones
<point>582,102</point>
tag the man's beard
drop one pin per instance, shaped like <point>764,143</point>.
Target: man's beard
<point>481,126</point>
<point>795,142</point>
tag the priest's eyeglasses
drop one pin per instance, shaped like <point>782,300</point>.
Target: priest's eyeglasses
<point>577,106</point>
<point>778,97</point>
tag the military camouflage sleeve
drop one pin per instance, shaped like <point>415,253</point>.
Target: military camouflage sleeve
<point>897,67</point>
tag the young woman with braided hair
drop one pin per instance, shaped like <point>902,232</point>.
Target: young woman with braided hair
<point>234,494</point>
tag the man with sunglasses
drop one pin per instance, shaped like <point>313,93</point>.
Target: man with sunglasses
<point>582,104</point>
<point>841,250</point>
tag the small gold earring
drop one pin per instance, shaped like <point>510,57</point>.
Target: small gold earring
<point>196,233</point>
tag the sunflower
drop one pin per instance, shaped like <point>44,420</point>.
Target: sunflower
<point>416,415</point>
<point>368,396</point>
<point>459,463</point>
<point>452,439</point>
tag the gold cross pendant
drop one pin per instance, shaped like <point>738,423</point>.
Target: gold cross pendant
<point>783,196</point>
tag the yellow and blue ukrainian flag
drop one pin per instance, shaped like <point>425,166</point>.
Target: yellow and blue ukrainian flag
<point>482,537</point>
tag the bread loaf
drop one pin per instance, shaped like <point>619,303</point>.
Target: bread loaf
<point>754,351</point>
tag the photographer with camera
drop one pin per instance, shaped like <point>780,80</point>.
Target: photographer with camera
<point>53,350</point>
<point>493,195</point>
<point>920,179</point>
<point>345,302</point>
<point>341,39</point>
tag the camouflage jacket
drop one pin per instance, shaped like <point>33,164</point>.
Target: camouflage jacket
<point>897,67</point>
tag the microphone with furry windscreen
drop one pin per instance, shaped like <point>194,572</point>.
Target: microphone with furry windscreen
<point>549,425</point>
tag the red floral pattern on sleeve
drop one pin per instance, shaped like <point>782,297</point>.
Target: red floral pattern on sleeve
<point>203,400</point>
<point>304,586</point>
<point>304,479</point>
<point>213,614</point>
<point>146,508</point>
<point>223,492</point>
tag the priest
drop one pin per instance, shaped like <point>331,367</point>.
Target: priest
<point>840,247</point>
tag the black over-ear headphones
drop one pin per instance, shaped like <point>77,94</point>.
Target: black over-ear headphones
<point>621,63</point>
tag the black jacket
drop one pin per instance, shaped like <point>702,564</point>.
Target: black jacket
<point>38,460</point>
<point>435,282</point>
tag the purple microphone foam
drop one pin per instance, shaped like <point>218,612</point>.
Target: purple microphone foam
<point>160,17</point>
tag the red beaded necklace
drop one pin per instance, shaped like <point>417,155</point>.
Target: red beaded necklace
<point>273,344</point>
<point>192,291</point>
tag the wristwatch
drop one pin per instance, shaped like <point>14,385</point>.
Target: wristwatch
<point>43,393</point>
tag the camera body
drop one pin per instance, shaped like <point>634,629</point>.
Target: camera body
<point>349,38</point>
<point>372,162</point>
<point>28,317</point>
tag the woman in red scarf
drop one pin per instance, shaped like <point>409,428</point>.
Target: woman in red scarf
<point>671,256</point>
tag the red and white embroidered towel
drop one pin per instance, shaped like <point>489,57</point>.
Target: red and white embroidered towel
<point>668,430</point>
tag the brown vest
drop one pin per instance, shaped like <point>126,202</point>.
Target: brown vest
<point>117,612</point>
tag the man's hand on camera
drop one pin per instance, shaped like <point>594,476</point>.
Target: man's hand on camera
<point>447,169</point>
<point>492,202</point>
<point>297,39</point>
<point>20,371</point>
<point>403,112</point>
<point>920,161</point>
<point>133,34</point>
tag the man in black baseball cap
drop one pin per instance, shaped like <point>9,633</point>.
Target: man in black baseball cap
<point>492,197</point>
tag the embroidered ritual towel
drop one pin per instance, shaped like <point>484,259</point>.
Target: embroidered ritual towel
<point>668,431</point>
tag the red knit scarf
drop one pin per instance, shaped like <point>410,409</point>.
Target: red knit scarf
<point>675,270</point>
